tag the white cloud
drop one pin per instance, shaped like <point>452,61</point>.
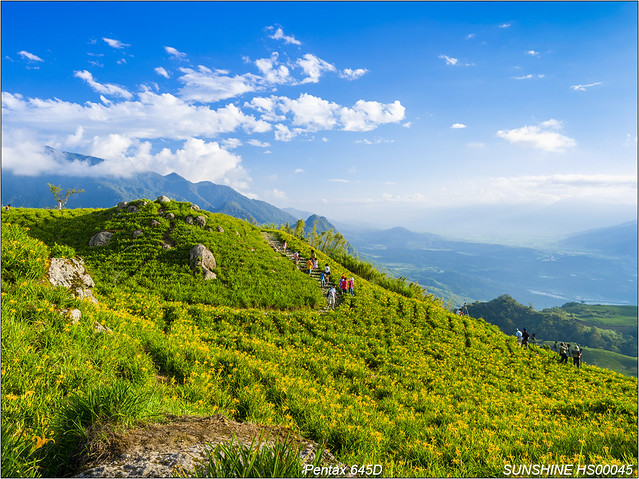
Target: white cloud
<point>151,116</point>
<point>505,25</point>
<point>410,198</point>
<point>584,87</point>
<point>339,180</point>
<point>174,52</point>
<point>544,136</point>
<point>279,35</point>
<point>350,74</point>
<point>367,115</point>
<point>532,53</point>
<point>298,170</point>
<point>551,188</point>
<point>273,73</point>
<point>162,72</point>
<point>107,88</point>
<point>469,36</point>
<point>231,143</point>
<point>456,126</point>
<point>528,77</point>
<point>282,133</point>
<point>408,124</point>
<point>30,56</point>
<point>449,60</point>
<point>313,67</point>
<point>376,141</point>
<point>311,113</point>
<point>258,143</point>
<point>205,85</point>
<point>115,43</point>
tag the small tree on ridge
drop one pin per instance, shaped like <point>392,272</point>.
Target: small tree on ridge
<point>60,197</point>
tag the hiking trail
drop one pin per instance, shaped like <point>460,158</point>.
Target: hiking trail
<point>278,246</point>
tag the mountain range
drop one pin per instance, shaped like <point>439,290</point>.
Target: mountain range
<point>597,266</point>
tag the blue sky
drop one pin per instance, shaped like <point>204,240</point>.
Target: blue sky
<point>443,117</point>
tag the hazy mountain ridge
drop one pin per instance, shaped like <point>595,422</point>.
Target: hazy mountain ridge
<point>32,192</point>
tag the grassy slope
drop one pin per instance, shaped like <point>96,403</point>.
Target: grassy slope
<point>383,379</point>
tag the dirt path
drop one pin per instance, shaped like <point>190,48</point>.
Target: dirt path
<point>278,246</point>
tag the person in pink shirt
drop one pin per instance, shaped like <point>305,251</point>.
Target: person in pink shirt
<point>351,285</point>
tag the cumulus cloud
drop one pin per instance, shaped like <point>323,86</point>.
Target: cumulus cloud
<point>279,35</point>
<point>351,74</point>
<point>162,72</point>
<point>311,113</point>
<point>206,85</point>
<point>457,126</point>
<point>277,194</point>
<point>532,53</point>
<point>313,67</point>
<point>544,136</point>
<point>30,56</point>
<point>174,52</point>
<point>272,72</point>
<point>115,43</point>
<point>150,116</point>
<point>107,88</point>
<point>584,87</point>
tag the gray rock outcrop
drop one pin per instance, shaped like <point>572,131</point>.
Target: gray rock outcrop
<point>137,233</point>
<point>189,220</point>
<point>202,261</point>
<point>170,216</point>
<point>100,239</point>
<point>132,209</point>
<point>220,229</point>
<point>71,274</point>
<point>200,220</point>
<point>163,199</point>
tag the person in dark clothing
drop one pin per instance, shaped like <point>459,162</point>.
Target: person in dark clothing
<point>524,338</point>
<point>576,356</point>
<point>562,352</point>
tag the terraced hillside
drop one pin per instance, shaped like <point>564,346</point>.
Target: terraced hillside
<point>382,379</point>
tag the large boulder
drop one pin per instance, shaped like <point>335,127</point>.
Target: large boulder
<point>189,220</point>
<point>200,220</point>
<point>100,239</point>
<point>202,261</point>
<point>163,199</point>
<point>71,274</point>
<point>132,209</point>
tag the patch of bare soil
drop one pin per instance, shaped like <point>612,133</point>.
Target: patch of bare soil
<point>168,449</point>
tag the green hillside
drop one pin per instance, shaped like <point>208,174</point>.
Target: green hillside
<point>382,379</point>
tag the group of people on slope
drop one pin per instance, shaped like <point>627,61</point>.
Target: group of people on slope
<point>345,285</point>
<point>565,352</point>
<point>524,338</point>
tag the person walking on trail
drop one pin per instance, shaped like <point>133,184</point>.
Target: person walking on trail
<point>576,357</point>
<point>563,350</point>
<point>332,293</point>
<point>518,335</point>
<point>309,266</point>
<point>315,263</point>
<point>284,247</point>
<point>327,272</point>
<point>322,279</point>
<point>533,339</point>
<point>351,286</point>
<point>296,257</point>
<point>524,338</point>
